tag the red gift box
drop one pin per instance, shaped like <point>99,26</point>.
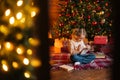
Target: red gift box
<point>100,40</point>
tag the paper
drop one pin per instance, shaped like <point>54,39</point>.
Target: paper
<point>66,67</point>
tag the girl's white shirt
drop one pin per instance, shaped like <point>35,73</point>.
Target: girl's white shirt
<point>74,45</point>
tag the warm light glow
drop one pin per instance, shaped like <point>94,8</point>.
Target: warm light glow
<point>3,62</point>
<point>33,41</point>
<point>19,3</point>
<point>7,12</point>
<point>20,50</point>
<point>27,74</point>
<point>26,61</point>
<point>35,63</point>
<point>15,64</point>
<point>9,46</point>
<point>33,13</point>
<point>19,36</point>
<point>58,43</point>
<point>19,15</point>
<point>0,46</point>
<point>12,20</point>
<point>49,35</point>
<point>29,52</point>
<point>22,20</point>
<point>5,67</point>
<point>4,30</point>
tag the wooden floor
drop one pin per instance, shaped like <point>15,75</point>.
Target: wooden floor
<point>93,74</point>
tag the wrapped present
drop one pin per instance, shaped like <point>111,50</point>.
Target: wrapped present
<point>100,40</point>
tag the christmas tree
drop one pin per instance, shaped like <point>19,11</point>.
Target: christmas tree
<point>17,40</point>
<point>93,15</point>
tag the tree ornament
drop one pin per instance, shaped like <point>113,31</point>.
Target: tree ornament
<point>88,16</point>
<point>102,21</point>
<point>98,8</point>
<point>67,15</point>
<point>94,23</point>
<point>97,1</point>
<point>106,4</point>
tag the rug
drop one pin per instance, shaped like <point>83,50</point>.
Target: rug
<point>57,59</point>
<point>98,63</point>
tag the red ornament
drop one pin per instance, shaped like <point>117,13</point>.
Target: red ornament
<point>94,23</point>
<point>97,1</point>
<point>98,8</point>
<point>106,4</point>
<point>68,15</point>
<point>88,16</point>
<point>61,24</point>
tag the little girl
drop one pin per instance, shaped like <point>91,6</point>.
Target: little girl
<point>77,45</point>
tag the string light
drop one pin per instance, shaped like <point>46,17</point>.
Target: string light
<point>7,12</point>
<point>19,3</point>
<point>15,64</point>
<point>9,46</point>
<point>19,15</point>
<point>25,61</point>
<point>5,67</point>
<point>20,50</point>
<point>27,74</point>
<point>29,52</point>
<point>4,30</point>
<point>12,20</point>
<point>33,13</point>
<point>36,62</point>
<point>18,20</point>
<point>33,41</point>
<point>19,36</point>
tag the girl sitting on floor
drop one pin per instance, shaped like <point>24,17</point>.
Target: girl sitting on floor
<point>79,49</point>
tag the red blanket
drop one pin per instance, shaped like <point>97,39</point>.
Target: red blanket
<point>63,58</point>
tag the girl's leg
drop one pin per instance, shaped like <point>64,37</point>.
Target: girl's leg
<point>84,59</point>
<point>88,58</point>
<point>76,58</point>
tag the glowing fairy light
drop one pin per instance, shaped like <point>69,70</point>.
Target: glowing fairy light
<point>29,52</point>
<point>19,50</point>
<point>12,20</point>
<point>15,64</point>
<point>7,12</point>
<point>19,3</point>
<point>19,36</point>
<point>27,74</point>
<point>19,15</point>
<point>33,13</point>
<point>33,41</point>
<point>26,61</point>
<point>4,30</point>
<point>35,62</point>
<point>22,20</point>
<point>8,46</point>
<point>5,67</point>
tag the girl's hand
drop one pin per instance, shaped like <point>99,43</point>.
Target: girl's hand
<point>78,48</point>
<point>88,47</point>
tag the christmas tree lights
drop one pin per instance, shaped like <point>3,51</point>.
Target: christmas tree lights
<point>93,15</point>
<point>17,40</point>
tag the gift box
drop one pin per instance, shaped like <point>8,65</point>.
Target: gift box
<point>100,40</point>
